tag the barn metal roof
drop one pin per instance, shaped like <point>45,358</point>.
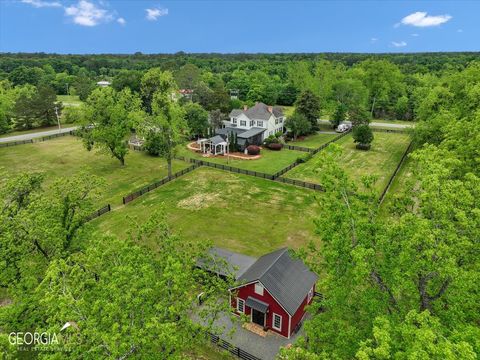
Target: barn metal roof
<point>288,280</point>
<point>257,304</point>
<point>225,263</point>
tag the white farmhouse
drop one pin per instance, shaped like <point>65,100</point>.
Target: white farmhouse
<point>253,125</point>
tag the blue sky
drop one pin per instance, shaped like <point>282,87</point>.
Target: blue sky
<point>127,26</point>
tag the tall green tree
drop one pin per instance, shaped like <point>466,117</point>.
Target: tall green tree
<point>308,104</point>
<point>110,117</point>
<point>197,119</point>
<point>298,124</point>
<point>166,128</point>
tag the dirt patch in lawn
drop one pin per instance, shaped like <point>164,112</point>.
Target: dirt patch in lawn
<point>198,201</point>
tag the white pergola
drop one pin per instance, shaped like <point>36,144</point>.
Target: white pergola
<point>215,145</point>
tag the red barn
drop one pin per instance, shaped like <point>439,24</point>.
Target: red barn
<point>275,291</point>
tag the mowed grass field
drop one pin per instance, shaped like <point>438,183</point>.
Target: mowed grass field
<point>381,160</point>
<point>66,156</point>
<point>238,212</point>
<point>270,162</point>
<point>314,141</point>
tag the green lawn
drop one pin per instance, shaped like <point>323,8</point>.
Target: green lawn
<point>69,100</point>
<point>270,162</point>
<point>314,141</point>
<point>238,212</point>
<point>66,156</point>
<point>381,159</point>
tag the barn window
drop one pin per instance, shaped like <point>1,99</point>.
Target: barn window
<point>310,294</point>
<point>277,322</point>
<point>240,305</point>
<point>258,289</point>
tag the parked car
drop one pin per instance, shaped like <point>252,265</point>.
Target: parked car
<point>343,127</point>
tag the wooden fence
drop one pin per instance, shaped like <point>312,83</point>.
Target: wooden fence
<point>39,139</point>
<point>232,349</point>
<point>98,213</point>
<point>148,188</point>
<point>397,169</point>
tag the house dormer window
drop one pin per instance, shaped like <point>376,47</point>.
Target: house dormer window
<point>259,289</point>
<point>252,122</point>
<point>234,121</point>
<point>276,121</point>
<point>260,123</point>
<point>243,123</point>
<point>280,120</point>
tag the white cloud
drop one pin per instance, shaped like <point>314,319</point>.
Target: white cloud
<point>155,13</point>
<point>421,19</point>
<point>399,44</point>
<point>415,35</point>
<point>87,14</point>
<point>459,30</point>
<point>41,3</point>
<point>373,40</point>
<point>121,21</point>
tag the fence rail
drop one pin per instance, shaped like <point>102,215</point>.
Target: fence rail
<point>232,349</point>
<point>39,139</point>
<point>298,148</point>
<point>228,168</point>
<point>288,168</point>
<point>321,147</point>
<point>156,184</point>
<point>98,213</point>
<point>397,169</point>
<point>397,131</point>
<point>300,183</point>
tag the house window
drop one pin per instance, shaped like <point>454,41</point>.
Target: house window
<point>252,122</point>
<point>310,295</point>
<point>258,289</point>
<point>280,120</point>
<point>276,121</point>
<point>243,123</point>
<point>240,305</point>
<point>260,123</point>
<point>277,322</point>
<point>234,120</point>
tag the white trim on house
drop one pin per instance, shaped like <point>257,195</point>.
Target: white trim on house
<point>280,317</point>
<point>243,306</point>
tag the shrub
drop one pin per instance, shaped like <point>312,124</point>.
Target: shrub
<point>253,150</point>
<point>272,139</point>
<point>363,135</point>
<point>304,158</point>
<point>363,146</point>
<point>275,146</point>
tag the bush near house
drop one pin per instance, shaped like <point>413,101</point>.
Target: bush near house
<point>253,150</point>
<point>275,146</point>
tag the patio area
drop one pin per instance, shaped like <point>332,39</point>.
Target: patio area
<point>265,346</point>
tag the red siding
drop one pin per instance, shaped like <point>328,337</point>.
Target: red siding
<point>297,317</point>
<point>249,290</point>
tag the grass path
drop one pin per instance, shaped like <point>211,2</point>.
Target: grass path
<point>66,156</point>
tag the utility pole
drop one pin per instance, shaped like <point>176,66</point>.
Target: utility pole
<point>58,119</point>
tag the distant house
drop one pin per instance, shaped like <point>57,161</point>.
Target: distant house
<point>103,83</point>
<point>274,289</point>
<point>250,125</point>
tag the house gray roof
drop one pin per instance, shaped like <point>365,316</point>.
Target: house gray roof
<point>225,263</point>
<point>227,130</point>
<point>258,112</point>
<point>287,280</point>
<point>251,132</point>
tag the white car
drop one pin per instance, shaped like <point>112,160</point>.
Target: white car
<point>343,127</point>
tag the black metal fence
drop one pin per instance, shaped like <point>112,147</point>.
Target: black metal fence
<point>396,131</point>
<point>288,168</point>
<point>321,147</point>
<point>298,148</point>
<point>232,349</point>
<point>300,183</point>
<point>98,213</point>
<point>397,169</point>
<point>148,188</point>
<point>39,139</point>
<point>228,168</point>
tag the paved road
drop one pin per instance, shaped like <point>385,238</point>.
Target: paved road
<point>36,134</point>
<point>373,123</point>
